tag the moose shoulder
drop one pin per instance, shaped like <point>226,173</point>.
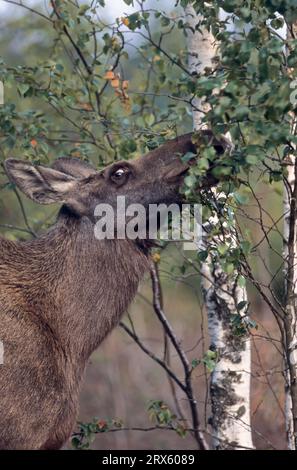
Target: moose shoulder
<point>63,292</point>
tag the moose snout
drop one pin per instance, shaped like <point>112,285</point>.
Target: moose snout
<point>176,173</point>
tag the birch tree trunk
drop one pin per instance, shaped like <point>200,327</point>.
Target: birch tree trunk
<point>290,321</point>
<point>290,268</point>
<point>230,380</point>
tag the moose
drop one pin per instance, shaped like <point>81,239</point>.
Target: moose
<point>64,291</point>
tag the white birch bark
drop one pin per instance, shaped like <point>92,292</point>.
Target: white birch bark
<point>290,257</point>
<point>230,380</point>
<point>290,275</point>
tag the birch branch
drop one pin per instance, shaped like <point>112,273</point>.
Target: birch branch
<point>183,358</point>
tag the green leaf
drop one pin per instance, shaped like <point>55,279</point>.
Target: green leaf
<point>252,159</point>
<point>83,9</point>
<point>165,21</point>
<point>23,88</point>
<point>202,255</point>
<point>180,430</point>
<point>229,268</point>
<point>277,23</point>
<point>221,171</point>
<point>241,281</point>
<point>222,249</point>
<point>246,247</point>
<point>203,163</point>
<point>241,305</point>
<point>195,363</point>
<point>149,119</point>
<point>75,441</point>
<point>190,181</point>
<point>240,198</point>
<point>241,112</point>
<point>210,360</point>
<point>188,156</point>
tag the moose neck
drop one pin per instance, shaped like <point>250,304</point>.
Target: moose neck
<point>86,285</point>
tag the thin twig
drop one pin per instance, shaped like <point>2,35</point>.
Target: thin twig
<point>152,355</point>
<point>184,360</point>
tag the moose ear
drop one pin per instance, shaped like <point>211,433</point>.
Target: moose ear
<point>41,184</point>
<point>74,167</point>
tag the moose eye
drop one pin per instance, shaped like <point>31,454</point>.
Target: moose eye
<point>119,175</point>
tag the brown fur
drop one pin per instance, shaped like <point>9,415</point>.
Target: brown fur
<point>62,293</point>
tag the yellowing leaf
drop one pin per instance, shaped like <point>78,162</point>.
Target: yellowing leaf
<point>115,83</point>
<point>156,257</point>
<point>125,21</point>
<point>109,75</point>
<point>87,106</point>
